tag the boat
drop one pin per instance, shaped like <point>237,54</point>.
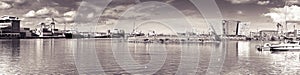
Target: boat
<point>286,46</point>
<point>47,31</point>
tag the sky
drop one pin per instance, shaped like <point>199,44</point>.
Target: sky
<point>263,14</point>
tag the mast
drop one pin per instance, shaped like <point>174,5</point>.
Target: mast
<point>53,23</point>
<point>134,22</point>
<point>65,26</point>
<point>286,5</point>
<point>42,30</point>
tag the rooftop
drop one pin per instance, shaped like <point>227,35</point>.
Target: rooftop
<point>9,18</point>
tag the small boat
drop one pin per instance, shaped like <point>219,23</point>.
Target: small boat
<point>290,45</point>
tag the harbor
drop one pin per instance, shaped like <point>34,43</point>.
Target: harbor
<point>149,37</point>
<point>47,56</point>
<point>233,30</point>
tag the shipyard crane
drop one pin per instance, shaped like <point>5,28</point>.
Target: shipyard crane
<point>53,23</point>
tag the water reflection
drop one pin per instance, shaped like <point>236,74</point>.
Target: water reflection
<point>56,56</point>
<point>35,56</point>
<point>10,55</point>
<point>243,49</point>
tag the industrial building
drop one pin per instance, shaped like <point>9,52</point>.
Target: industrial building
<point>269,35</point>
<point>9,27</point>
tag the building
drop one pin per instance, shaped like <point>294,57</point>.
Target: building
<point>243,28</point>
<point>25,33</point>
<point>269,34</point>
<point>9,27</point>
<point>255,35</point>
<point>230,27</point>
<point>297,33</point>
<point>235,28</point>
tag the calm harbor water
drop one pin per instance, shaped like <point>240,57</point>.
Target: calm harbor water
<point>59,56</point>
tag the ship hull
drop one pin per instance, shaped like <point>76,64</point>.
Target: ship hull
<point>70,35</point>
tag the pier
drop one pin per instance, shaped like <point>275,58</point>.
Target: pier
<point>164,39</point>
<point>9,35</point>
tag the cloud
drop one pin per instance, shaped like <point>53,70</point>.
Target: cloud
<point>191,13</point>
<point>110,21</point>
<point>20,1</point>
<point>170,1</point>
<point>116,11</point>
<point>4,5</point>
<point>241,1</point>
<point>240,12</point>
<point>14,1</point>
<point>90,15</point>
<point>69,16</point>
<point>30,14</point>
<point>282,14</point>
<point>47,11</point>
<point>29,23</point>
<point>263,2</point>
<point>42,12</point>
<point>292,1</point>
<point>48,19</point>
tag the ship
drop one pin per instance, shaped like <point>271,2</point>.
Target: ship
<point>73,34</point>
<point>76,34</point>
<point>47,31</point>
<point>285,46</point>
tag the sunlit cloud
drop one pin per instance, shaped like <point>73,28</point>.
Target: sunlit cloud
<point>263,2</point>
<point>241,1</point>
<point>282,14</point>
<point>69,16</point>
<point>4,5</point>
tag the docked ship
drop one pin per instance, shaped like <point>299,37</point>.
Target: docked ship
<point>101,35</point>
<point>47,31</point>
<point>109,34</point>
<point>76,34</point>
<point>285,46</point>
<point>73,34</point>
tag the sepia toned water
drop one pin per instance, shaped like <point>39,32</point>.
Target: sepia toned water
<point>58,56</point>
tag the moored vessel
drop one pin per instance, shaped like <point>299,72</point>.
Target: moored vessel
<point>285,46</point>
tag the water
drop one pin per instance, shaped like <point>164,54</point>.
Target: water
<point>71,56</point>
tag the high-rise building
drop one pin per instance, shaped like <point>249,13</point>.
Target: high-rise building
<point>243,28</point>
<point>233,28</point>
<point>230,27</point>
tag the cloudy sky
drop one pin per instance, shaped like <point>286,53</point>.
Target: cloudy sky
<point>263,14</point>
